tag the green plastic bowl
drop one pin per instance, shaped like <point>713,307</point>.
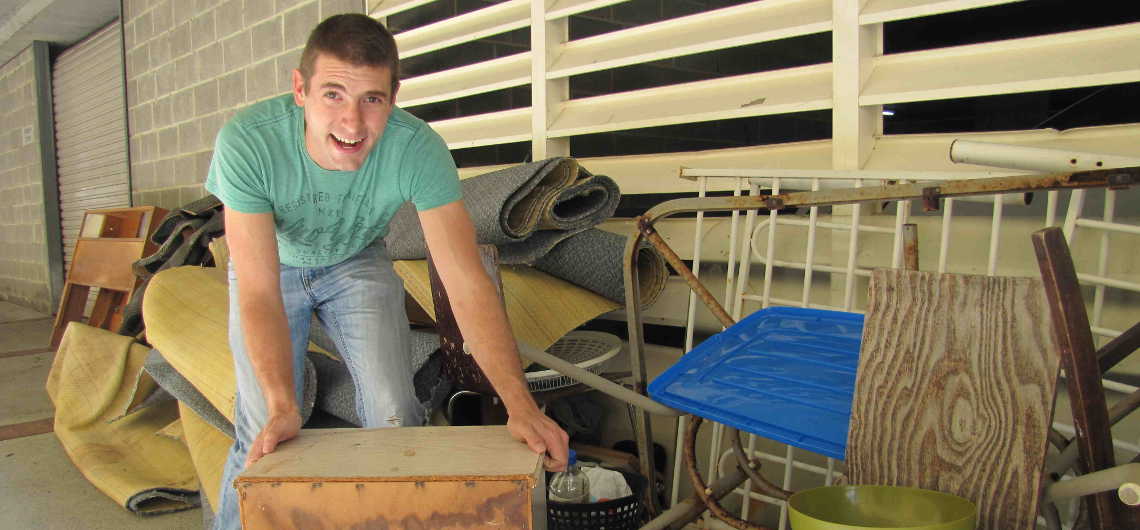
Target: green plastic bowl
<point>863,507</point>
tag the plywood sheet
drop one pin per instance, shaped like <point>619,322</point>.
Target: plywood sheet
<point>398,454</point>
<point>955,389</point>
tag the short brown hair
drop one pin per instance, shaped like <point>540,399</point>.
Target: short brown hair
<point>354,38</point>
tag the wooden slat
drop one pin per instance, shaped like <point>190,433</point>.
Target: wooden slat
<point>493,20</point>
<point>1092,57</point>
<point>29,428</point>
<point>711,30</point>
<point>21,353</point>
<point>478,78</point>
<point>878,11</point>
<point>782,91</point>
<point>955,390</point>
<point>485,129</point>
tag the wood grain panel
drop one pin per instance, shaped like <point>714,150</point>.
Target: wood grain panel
<point>955,390</point>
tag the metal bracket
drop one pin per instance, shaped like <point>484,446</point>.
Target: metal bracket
<point>1121,181</point>
<point>930,197</point>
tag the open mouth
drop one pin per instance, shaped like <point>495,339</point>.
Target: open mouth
<point>347,144</point>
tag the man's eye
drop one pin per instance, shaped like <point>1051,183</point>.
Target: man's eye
<point>332,95</point>
<point>373,99</point>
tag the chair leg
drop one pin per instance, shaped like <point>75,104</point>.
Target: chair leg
<point>1082,372</point>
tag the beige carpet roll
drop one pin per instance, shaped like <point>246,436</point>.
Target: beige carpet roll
<point>540,307</point>
<point>92,381</point>
<point>208,449</point>
<point>186,310</point>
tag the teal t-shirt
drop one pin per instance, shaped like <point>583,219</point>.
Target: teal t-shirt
<point>323,217</point>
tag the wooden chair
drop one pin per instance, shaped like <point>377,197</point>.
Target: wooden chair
<point>955,391</point>
<point>110,240</point>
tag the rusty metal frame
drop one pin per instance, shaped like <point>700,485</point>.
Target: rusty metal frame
<point>930,193</point>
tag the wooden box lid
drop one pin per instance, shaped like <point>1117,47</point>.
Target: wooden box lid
<point>398,454</point>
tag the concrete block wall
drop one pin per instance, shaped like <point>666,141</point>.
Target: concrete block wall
<point>23,262</point>
<point>190,66</point>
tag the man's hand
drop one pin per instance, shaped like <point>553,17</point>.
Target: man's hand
<point>279,428</point>
<point>542,435</point>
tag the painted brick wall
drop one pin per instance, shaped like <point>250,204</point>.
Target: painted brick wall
<point>23,267</point>
<point>191,65</point>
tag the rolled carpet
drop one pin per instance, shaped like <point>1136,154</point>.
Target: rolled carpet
<point>337,394</point>
<point>524,210</point>
<point>178,387</point>
<point>593,259</point>
<point>542,214</point>
<point>541,308</point>
<point>186,310</point>
<point>92,380</point>
<point>208,448</point>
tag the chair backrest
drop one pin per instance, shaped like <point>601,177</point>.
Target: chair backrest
<point>1082,372</point>
<point>955,389</point>
<point>457,365</point>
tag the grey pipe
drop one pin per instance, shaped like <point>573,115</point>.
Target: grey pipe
<point>689,509</point>
<point>1125,479</point>
<point>595,381</point>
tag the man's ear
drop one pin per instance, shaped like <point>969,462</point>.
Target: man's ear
<point>298,88</point>
<point>395,90</point>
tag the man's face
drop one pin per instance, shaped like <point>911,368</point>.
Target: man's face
<point>346,108</point>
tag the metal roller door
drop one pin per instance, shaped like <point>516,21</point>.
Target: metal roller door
<point>90,128</point>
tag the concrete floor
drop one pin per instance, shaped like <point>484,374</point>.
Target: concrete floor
<point>39,486</point>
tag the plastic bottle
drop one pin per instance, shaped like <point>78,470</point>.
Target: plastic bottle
<point>570,486</point>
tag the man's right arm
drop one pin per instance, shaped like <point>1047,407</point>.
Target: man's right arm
<point>252,241</point>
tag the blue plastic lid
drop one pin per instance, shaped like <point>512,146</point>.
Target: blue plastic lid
<point>783,373</point>
<point>573,458</point>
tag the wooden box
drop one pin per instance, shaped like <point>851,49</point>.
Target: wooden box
<point>396,478</point>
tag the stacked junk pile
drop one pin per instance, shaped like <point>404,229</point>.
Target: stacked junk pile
<point>145,412</point>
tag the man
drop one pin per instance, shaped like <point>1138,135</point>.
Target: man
<point>309,182</point>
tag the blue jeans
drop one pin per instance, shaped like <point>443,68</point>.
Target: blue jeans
<point>361,304</point>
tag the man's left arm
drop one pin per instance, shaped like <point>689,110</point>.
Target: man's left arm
<point>482,320</point>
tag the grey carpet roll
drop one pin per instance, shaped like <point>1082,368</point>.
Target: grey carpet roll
<point>144,502</point>
<point>552,198</point>
<point>542,214</point>
<point>593,259</point>
<point>337,392</point>
<point>172,382</point>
